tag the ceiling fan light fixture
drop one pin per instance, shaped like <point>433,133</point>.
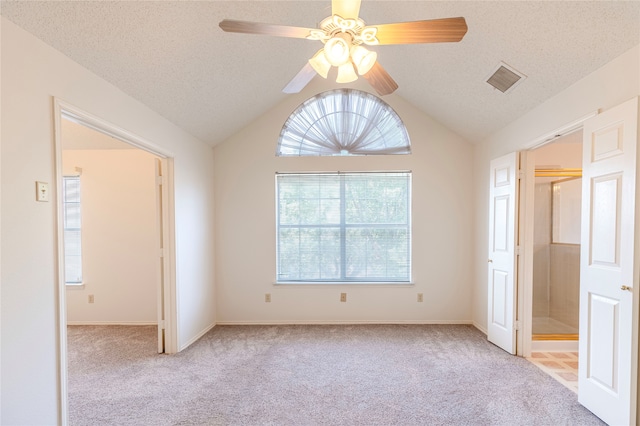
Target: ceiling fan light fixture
<point>320,64</point>
<point>368,36</point>
<point>337,51</point>
<point>343,33</point>
<point>346,73</point>
<point>363,59</point>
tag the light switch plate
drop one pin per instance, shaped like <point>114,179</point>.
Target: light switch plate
<point>42,191</point>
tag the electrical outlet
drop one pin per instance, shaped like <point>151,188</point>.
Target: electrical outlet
<point>343,297</point>
<point>267,297</point>
<point>420,297</point>
<point>91,298</point>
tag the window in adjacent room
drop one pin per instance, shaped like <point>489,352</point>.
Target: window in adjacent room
<point>344,227</point>
<point>72,230</point>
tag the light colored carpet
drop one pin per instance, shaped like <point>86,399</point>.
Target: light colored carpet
<point>311,375</point>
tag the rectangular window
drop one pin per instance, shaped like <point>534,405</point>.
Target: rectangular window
<point>344,227</point>
<point>72,230</point>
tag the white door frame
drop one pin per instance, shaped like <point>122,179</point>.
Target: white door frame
<point>64,110</point>
<point>525,281</point>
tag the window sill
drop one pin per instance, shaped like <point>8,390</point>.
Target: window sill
<point>345,283</point>
<point>79,286</point>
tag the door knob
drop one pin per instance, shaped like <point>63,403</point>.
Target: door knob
<point>626,287</point>
<point>490,261</point>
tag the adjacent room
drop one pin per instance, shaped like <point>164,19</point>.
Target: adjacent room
<point>319,212</point>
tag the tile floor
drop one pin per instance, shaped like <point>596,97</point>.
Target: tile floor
<point>562,366</point>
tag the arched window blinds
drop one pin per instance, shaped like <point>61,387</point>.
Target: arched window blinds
<point>343,122</point>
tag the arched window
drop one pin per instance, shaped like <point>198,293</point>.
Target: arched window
<point>343,122</point>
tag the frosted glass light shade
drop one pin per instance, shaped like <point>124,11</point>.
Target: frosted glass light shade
<point>320,64</point>
<point>337,51</point>
<point>346,73</point>
<point>343,122</point>
<point>363,58</point>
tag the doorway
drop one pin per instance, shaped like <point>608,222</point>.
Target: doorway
<point>608,320</point>
<point>557,202</point>
<point>111,262</point>
<point>555,273</point>
<point>158,296</point>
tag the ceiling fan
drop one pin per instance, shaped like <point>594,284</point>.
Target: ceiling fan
<point>344,36</point>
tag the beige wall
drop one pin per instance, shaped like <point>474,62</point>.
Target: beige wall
<point>541,247</point>
<point>119,237</point>
<point>614,83</point>
<point>564,295</point>
<point>556,268</point>
<point>442,213</point>
<point>32,74</point>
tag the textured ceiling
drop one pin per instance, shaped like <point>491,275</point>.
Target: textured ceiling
<point>173,57</point>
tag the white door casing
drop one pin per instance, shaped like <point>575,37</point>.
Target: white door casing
<point>503,217</point>
<point>161,260</point>
<point>607,377</point>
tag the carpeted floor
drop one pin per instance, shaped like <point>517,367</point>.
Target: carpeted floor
<point>311,375</point>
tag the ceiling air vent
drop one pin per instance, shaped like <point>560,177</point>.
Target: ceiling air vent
<point>505,78</point>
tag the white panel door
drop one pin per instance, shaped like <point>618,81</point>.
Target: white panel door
<point>503,193</point>
<point>607,348</point>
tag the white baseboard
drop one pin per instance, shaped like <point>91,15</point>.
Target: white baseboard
<point>481,328</point>
<point>111,323</point>
<point>198,336</point>
<point>355,322</point>
<point>554,346</point>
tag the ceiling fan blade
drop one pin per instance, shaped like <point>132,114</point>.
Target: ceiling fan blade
<point>430,31</point>
<point>380,79</point>
<point>301,79</point>
<point>247,27</point>
<point>348,9</point>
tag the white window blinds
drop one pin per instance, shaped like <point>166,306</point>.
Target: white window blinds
<point>343,122</point>
<point>72,230</point>
<point>344,227</point>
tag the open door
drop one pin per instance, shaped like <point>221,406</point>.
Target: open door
<point>503,194</point>
<point>608,267</point>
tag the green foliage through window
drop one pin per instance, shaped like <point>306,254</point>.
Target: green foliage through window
<point>344,227</point>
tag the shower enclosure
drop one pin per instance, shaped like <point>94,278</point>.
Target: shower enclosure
<point>556,259</point>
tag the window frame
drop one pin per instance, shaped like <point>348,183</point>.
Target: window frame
<point>77,282</point>
<point>343,122</point>
<point>343,227</point>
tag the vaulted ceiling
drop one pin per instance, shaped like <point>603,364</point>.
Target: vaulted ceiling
<point>173,57</point>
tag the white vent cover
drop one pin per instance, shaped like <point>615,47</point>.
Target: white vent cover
<point>505,78</point>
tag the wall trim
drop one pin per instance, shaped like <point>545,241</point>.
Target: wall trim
<point>554,346</point>
<point>349,322</point>
<point>79,116</point>
<point>134,323</point>
<point>479,327</point>
<point>559,132</point>
<point>197,336</point>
